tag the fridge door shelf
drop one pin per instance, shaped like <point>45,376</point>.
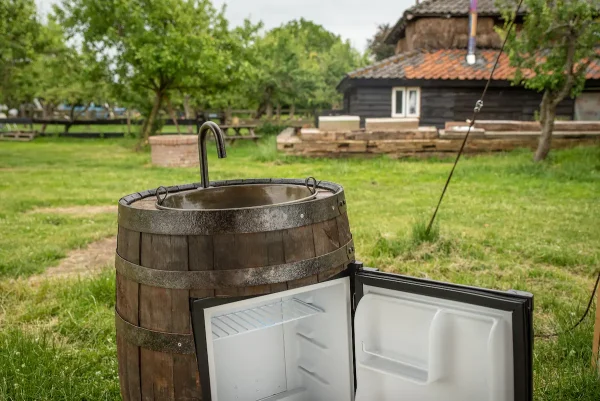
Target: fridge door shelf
<point>261,317</point>
<point>377,361</point>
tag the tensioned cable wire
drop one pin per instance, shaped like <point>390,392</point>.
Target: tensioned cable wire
<point>476,110</point>
<point>587,310</point>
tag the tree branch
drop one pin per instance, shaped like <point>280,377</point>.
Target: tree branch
<point>570,65</point>
<point>75,117</point>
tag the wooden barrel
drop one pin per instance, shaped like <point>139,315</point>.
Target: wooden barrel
<point>166,257</point>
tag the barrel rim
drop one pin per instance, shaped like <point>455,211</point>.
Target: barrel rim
<point>231,221</point>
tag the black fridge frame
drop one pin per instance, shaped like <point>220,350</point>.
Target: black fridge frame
<point>519,303</point>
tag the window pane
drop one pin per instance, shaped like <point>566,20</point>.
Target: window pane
<point>412,102</point>
<point>399,102</point>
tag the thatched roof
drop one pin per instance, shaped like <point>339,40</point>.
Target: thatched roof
<point>443,9</point>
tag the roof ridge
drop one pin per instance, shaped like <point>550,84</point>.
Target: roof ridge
<point>419,5</point>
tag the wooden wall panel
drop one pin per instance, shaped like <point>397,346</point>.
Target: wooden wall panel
<point>441,104</point>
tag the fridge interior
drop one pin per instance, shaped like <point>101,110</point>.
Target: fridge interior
<point>429,349</point>
<point>297,345</point>
<point>293,346</point>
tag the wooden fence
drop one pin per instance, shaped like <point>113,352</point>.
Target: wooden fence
<point>39,126</point>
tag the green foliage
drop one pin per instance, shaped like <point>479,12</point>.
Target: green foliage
<point>300,63</point>
<point>270,129</point>
<point>153,55</point>
<point>156,47</point>
<point>552,53</point>
<point>64,74</point>
<point>377,46</point>
<point>19,42</point>
<point>557,42</point>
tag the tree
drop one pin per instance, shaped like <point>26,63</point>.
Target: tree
<point>377,46</point>
<point>159,47</point>
<point>64,74</point>
<point>552,53</point>
<point>300,63</point>
<point>19,43</point>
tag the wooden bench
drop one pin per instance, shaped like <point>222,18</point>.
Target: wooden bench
<point>234,132</point>
<point>24,136</point>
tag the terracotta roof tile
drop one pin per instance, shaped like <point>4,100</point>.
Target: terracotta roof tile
<point>445,64</point>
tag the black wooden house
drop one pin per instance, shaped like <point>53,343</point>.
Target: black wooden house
<point>430,78</point>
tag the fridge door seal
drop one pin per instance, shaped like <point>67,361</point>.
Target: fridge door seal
<point>519,304</point>
<point>197,308</point>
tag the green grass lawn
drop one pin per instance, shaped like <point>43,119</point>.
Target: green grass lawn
<point>506,223</point>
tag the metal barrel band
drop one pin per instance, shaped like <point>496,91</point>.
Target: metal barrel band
<point>192,222</point>
<point>172,343</point>
<point>218,279</point>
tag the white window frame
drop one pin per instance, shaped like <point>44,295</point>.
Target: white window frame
<point>405,91</point>
<point>394,90</point>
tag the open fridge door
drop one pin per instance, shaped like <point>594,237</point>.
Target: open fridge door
<point>419,340</point>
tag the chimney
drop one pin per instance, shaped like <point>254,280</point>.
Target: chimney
<point>472,33</point>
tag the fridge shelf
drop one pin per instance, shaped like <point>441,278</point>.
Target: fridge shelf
<point>260,317</point>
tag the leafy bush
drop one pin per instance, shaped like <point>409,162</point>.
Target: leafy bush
<point>270,129</point>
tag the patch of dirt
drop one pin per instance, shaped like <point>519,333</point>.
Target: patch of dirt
<point>77,210</point>
<point>82,262</point>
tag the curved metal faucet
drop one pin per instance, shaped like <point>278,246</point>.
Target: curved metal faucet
<point>219,139</point>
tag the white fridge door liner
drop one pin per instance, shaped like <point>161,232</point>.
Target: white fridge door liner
<point>429,349</point>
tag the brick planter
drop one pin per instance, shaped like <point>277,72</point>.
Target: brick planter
<point>174,150</point>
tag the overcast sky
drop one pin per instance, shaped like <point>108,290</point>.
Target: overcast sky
<point>351,19</point>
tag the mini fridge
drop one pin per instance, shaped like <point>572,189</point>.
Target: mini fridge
<point>367,335</point>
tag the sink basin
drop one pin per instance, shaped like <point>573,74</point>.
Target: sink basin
<point>237,197</point>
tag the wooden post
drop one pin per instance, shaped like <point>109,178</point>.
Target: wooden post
<point>596,346</point>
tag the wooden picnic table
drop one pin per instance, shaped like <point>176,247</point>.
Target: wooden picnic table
<point>234,132</point>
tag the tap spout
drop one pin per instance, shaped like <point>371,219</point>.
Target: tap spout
<point>219,139</point>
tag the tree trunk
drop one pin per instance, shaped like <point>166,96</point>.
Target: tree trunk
<point>158,98</point>
<point>71,117</point>
<point>128,122</point>
<point>278,111</point>
<point>262,108</point>
<point>292,110</point>
<point>172,115</point>
<point>265,106</point>
<point>85,109</point>
<point>188,112</point>
<point>547,116</point>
